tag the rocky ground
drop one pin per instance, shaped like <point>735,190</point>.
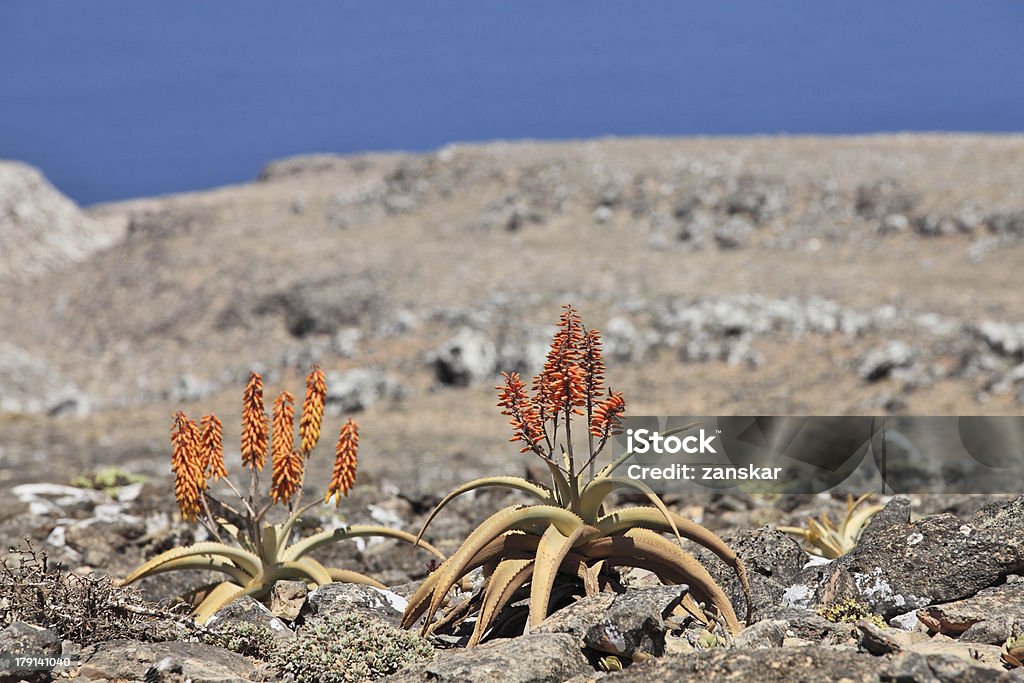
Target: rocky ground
<point>752,276</point>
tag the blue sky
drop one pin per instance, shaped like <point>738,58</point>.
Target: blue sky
<point>117,99</point>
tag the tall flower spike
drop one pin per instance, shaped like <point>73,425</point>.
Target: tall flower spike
<point>592,362</point>
<point>286,479</point>
<point>255,424</point>
<point>561,383</point>
<point>283,427</point>
<point>212,444</point>
<point>523,414</point>
<point>312,409</point>
<point>345,461</point>
<point>607,418</point>
<point>187,465</point>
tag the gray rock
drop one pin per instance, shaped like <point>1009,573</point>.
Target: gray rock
<point>468,357</point>
<point>42,230</point>
<point>358,389</point>
<point>287,599</point>
<point>130,660</point>
<point>809,625</point>
<point>878,640</point>
<point>767,633</point>
<point>954,618</point>
<point>534,658</point>
<point>894,516</point>
<point>994,630</point>
<point>770,665</point>
<point>26,640</point>
<point>879,362</point>
<point>246,610</point>
<point>634,622</point>
<point>884,198</point>
<point>1006,223</point>
<point>340,598</point>
<point>734,233</point>
<point>935,225</point>
<point>937,559</point>
<point>769,552</point>
<point>914,667</point>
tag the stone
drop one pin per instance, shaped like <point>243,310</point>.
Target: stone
<point>993,631</point>
<point>620,625</point>
<point>878,363</point>
<point>810,626</point>
<point>894,516</point>
<point>246,610</point>
<point>734,233</point>
<point>468,357</point>
<point>767,633</point>
<point>533,658</point>
<point>934,560</point>
<point>878,640</point>
<point>26,640</point>
<point>43,231</point>
<point>131,660</point>
<point>915,667</point>
<point>770,665</point>
<point>340,598</point>
<point>358,389</point>
<point>287,599</point>
<point>954,618</point>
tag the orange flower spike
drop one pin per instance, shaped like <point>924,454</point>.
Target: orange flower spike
<point>607,419</point>
<point>286,479</point>
<point>524,416</point>
<point>212,446</point>
<point>346,459</point>
<point>255,424</point>
<point>312,409</point>
<point>187,465</point>
<point>283,431</point>
<point>287,474</point>
<point>561,384</point>
<point>592,362</point>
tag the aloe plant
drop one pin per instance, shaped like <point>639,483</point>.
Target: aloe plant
<point>567,530</point>
<point>254,554</point>
<point>824,539</point>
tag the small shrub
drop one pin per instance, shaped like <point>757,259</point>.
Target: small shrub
<point>109,480</point>
<point>351,647</point>
<point>84,609</point>
<point>850,611</point>
<point>251,640</point>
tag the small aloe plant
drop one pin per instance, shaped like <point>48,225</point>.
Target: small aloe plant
<point>827,540</point>
<point>568,530</point>
<point>260,553</point>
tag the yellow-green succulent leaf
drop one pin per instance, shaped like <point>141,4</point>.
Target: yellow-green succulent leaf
<point>311,568</point>
<point>646,549</point>
<point>527,518</point>
<point>509,545</point>
<point>507,578</point>
<point>248,562</point>
<point>202,562</point>
<point>607,470</point>
<point>220,596</point>
<point>551,550</point>
<point>268,544</point>
<point>308,545</point>
<point>348,576</point>
<point>541,493</point>
<point>648,518</point>
<point>598,489</point>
